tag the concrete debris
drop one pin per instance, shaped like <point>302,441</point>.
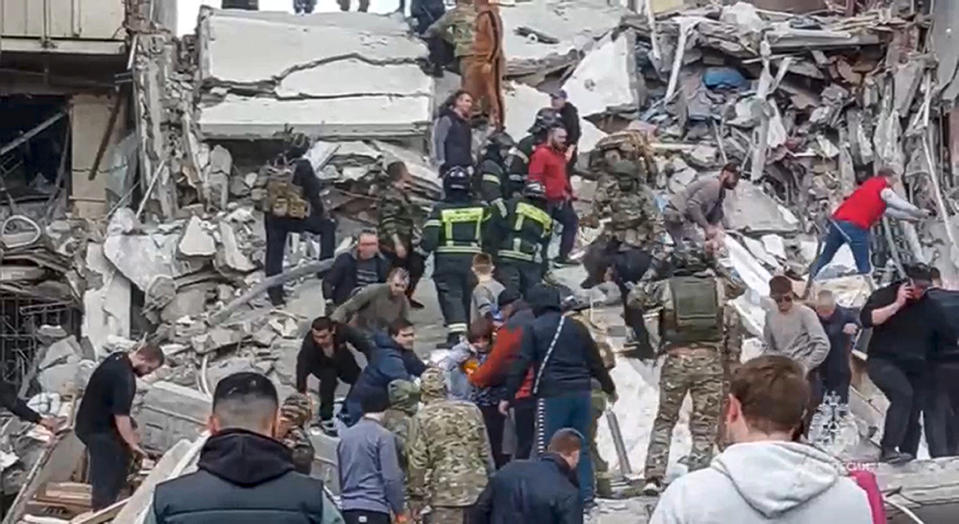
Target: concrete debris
<point>196,241</point>
<point>167,413</point>
<point>605,80</point>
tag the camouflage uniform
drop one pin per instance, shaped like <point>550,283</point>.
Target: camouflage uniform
<point>634,219</point>
<point>404,399</point>
<point>449,453</point>
<point>397,215</point>
<point>456,27</point>
<point>597,409</point>
<point>296,410</point>
<point>697,368</point>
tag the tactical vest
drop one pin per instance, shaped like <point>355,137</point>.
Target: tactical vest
<point>283,197</point>
<point>528,227</point>
<point>697,315</point>
<point>461,229</point>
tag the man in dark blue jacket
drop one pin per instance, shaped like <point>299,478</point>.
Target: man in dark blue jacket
<point>355,269</point>
<point>565,358</point>
<point>392,359</point>
<point>540,490</point>
<point>244,474</point>
<point>840,324</point>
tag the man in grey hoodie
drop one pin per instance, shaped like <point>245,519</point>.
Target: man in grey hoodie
<point>763,476</point>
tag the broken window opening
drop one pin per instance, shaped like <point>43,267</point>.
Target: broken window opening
<point>21,317</point>
<point>34,154</point>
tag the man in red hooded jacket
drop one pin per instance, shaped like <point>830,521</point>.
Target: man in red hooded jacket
<point>548,166</point>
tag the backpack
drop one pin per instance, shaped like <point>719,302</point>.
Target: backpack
<point>283,197</point>
<point>697,315</point>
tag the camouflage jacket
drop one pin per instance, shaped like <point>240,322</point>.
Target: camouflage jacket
<point>633,216</point>
<point>449,452</point>
<point>656,294</point>
<point>456,27</point>
<point>399,424</point>
<point>302,448</point>
<point>397,216</point>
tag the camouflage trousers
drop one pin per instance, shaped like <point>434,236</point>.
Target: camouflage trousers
<point>446,515</point>
<point>597,403</point>
<point>699,372</point>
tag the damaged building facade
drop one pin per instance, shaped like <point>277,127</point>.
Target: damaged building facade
<point>133,165</point>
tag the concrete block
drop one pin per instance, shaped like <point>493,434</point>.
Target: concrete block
<point>169,413</point>
<point>196,242</point>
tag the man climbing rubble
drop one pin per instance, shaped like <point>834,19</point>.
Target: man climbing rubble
<point>325,355</point>
<point>701,335</point>
<point>103,420</point>
<point>853,219</point>
<point>293,205</point>
<point>449,454</point>
<point>701,204</point>
<point>398,227</point>
<point>454,233</point>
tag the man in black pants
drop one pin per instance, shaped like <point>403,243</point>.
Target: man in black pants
<point>103,420</point>
<point>905,329</point>
<point>324,355</point>
<point>294,206</point>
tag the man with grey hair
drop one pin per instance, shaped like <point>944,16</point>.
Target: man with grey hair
<point>841,325</point>
<point>244,474</point>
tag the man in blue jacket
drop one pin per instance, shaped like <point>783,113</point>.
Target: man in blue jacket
<point>392,359</point>
<point>565,358</point>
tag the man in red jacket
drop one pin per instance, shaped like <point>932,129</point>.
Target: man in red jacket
<point>851,222</point>
<point>548,166</point>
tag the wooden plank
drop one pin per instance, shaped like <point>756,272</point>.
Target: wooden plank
<point>56,463</point>
<point>107,514</point>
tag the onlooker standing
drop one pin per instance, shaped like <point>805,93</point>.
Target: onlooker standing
<point>793,330</point>
<point>376,305</point>
<point>483,77</point>
<point>905,327</point>
<point>564,357</point>
<point>355,270</point>
<point>393,359</point>
<point>452,134</point>
<point>517,317</point>
<point>548,166</point>
<point>397,227</point>
<point>763,476</point>
<point>103,420</point>
<point>244,474</point>
<point>291,431</point>
<point>487,290</point>
<point>841,325</point>
<point>569,116</point>
<point>700,204</point>
<point>449,454</point>
<point>851,222</point>
<point>325,355</point>
<point>539,490</point>
<point>371,482</point>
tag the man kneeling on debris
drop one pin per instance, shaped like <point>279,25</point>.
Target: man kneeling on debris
<point>377,305</point>
<point>244,473</point>
<point>700,204</point>
<point>325,355</point>
<point>763,476</point>
<point>103,420</point>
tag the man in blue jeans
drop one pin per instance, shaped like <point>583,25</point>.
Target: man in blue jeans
<point>851,222</point>
<point>564,358</point>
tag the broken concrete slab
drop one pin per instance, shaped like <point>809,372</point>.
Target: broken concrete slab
<point>215,338</point>
<point>168,413</point>
<point>229,254</point>
<point>518,122</point>
<point>64,351</point>
<point>107,306</point>
<point>748,208</point>
<point>605,80</point>
<point>339,79</point>
<point>196,241</point>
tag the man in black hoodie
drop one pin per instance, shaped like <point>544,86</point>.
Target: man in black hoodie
<point>547,487</point>
<point>564,358</point>
<point>244,474</point>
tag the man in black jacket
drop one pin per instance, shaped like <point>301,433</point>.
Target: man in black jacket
<point>244,474</point>
<point>355,269</point>
<point>16,405</point>
<point>905,325</point>
<point>569,118</point>
<point>541,490</point>
<point>325,355</point>
<point>565,358</point>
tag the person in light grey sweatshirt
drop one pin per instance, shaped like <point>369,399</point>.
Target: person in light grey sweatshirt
<point>371,480</point>
<point>792,329</point>
<point>763,476</point>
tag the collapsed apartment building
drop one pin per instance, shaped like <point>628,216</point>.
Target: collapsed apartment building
<point>155,228</point>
